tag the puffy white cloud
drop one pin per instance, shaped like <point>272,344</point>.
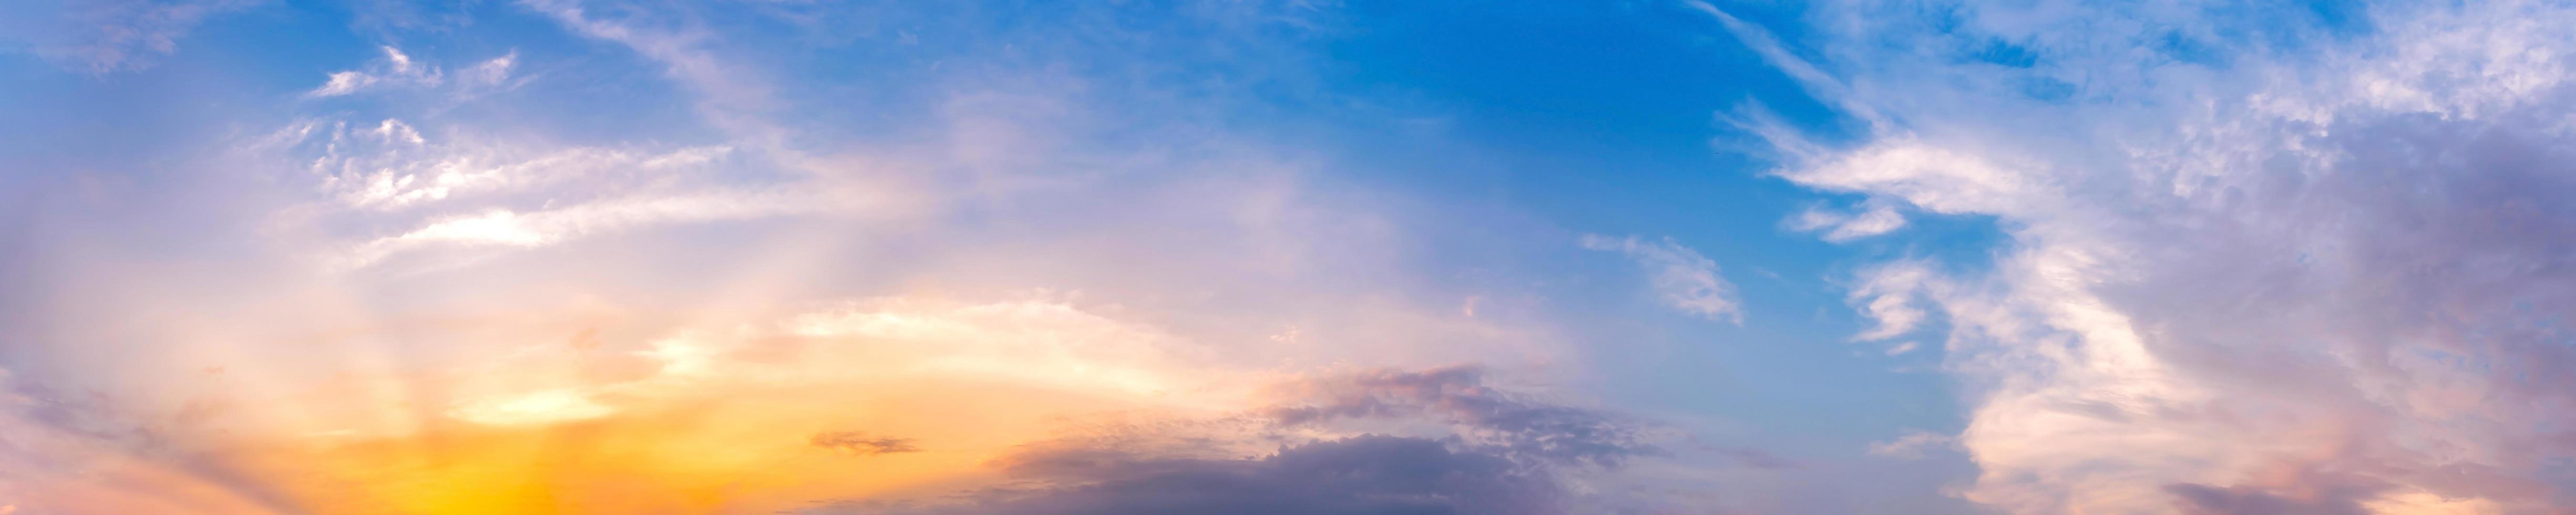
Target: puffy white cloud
<point>415,193</point>
<point>735,97</point>
<point>2261,259</point>
<point>491,73</point>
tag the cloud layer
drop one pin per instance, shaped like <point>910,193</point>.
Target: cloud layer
<point>2301,261</point>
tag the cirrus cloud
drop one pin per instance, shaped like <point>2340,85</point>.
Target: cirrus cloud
<point>2289,262</point>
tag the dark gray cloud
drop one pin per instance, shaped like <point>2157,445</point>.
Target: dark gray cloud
<point>2199,499</point>
<point>1501,453</point>
<point>1506,423</point>
<point>1370,474</point>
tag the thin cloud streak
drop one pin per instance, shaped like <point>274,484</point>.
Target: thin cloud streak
<point>1687,281</point>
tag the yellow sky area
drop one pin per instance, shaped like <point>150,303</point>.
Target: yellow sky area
<point>718,420</point>
<point>741,451</point>
<point>750,454</point>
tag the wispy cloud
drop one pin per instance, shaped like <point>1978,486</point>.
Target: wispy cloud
<point>1822,85</point>
<point>1889,294</point>
<point>1910,446</point>
<point>1687,280</point>
<point>458,191</point>
<point>1360,474</point>
<point>506,228</point>
<point>105,36</point>
<point>2243,276</point>
<point>1874,218</point>
<point>399,71</point>
<point>733,96</point>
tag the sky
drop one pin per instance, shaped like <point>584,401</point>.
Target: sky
<point>1295,256</point>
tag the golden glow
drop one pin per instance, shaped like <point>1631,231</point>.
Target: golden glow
<point>719,418</point>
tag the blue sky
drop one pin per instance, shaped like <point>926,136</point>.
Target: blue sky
<point>268,256</point>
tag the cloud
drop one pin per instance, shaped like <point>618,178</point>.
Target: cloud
<point>1368,474</point>
<point>393,167</point>
<point>396,69</point>
<point>399,70</point>
<point>2206,500</point>
<point>1910,446</point>
<point>2298,265</point>
<point>1492,451</point>
<point>1874,219</point>
<point>495,74</point>
<point>107,36</point>
<point>1825,86</point>
<point>510,229</point>
<point>1687,280</point>
<point>732,96</point>
<point>858,443</point>
<point>1507,424</point>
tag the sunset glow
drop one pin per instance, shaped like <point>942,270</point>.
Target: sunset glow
<point>1287,257</point>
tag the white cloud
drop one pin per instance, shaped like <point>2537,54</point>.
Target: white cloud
<point>1816,80</point>
<point>396,69</point>
<point>1910,446</point>
<point>394,167</point>
<point>1687,280</point>
<point>395,131</point>
<point>399,70</point>
<point>505,228</point>
<point>732,96</point>
<point>1887,294</point>
<point>461,192</point>
<point>1874,219</point>
<point>491,73</point>
<point>2315,272</point>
